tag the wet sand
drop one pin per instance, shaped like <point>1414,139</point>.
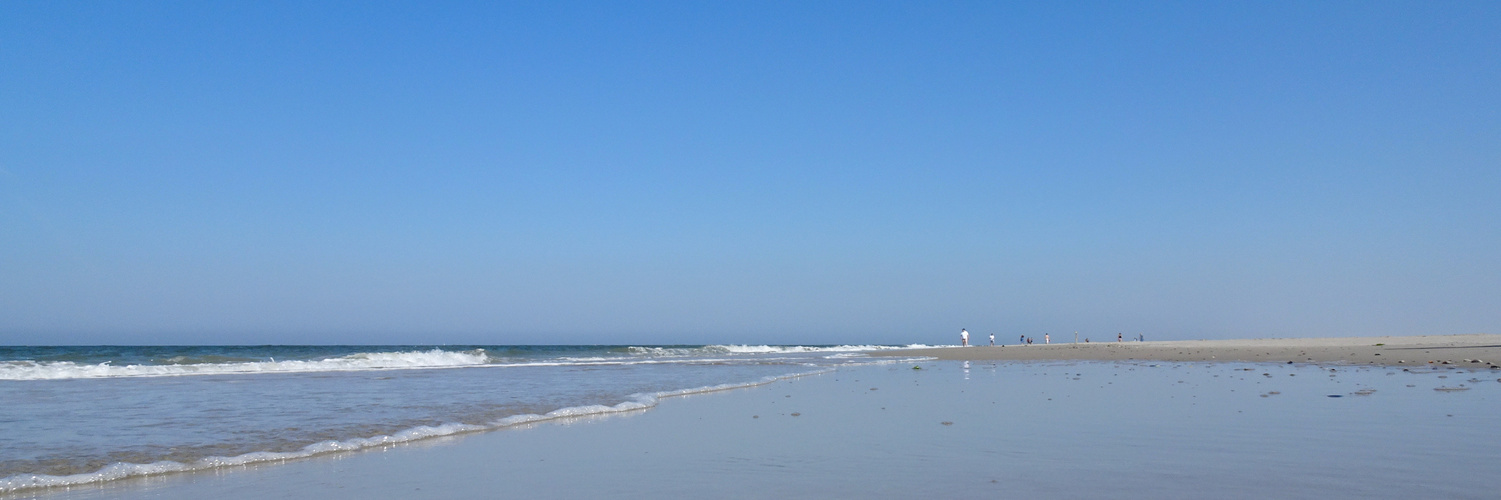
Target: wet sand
<point>1470,351</point>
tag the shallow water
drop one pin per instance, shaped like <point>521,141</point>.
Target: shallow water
<point>77,415</point>
<point>1005,430</point>
<point>1015,430</point>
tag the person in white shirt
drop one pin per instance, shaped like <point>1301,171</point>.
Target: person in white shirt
<point>992,339</point>
<point>964,337</point>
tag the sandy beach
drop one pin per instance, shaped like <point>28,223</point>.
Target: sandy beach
<point>1470,351</point>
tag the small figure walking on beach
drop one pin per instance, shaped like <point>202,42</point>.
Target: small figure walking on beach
<point>1021,339</point>
<point>1141,338</point>
<point>963,337</point>
<point>1046,339</point>
<point>1119,338</point>
<point>992,339</point>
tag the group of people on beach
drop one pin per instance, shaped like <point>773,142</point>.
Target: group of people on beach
<point>1046,339</point>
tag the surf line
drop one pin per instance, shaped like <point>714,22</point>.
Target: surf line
<point>120,470</point>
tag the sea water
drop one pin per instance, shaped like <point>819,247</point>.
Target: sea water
<point>935,429</point>
<point>1145,430</point>
<point>81,415</point>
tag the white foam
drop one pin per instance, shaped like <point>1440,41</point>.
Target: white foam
<point>435,358</point>
<point>121,470</point>
<point>58,370</point>
<point>760,349</point>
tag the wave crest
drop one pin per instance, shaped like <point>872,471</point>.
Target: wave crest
<point>60,370</point>
<point>759,349</point>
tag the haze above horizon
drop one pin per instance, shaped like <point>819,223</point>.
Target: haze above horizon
<point>746,172</point>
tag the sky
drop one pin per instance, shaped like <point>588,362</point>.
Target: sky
<point>758,172</point>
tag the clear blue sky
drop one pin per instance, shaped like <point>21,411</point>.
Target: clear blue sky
<point>753,172</point>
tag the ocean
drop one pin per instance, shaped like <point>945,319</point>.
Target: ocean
<point>79,415</point>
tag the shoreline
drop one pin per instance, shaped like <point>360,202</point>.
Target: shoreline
<point>1480,351</point>
<point>948,430</point>
<point>17,486</point>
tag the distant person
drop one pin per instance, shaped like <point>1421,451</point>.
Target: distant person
<point>1119,338</point>
<point>992,339</point>
<point>1086,340</point>
<point>1047,339</point>
<point>1141,338</point>
<point>1021,339</point>
<point>963,337</point>
<point>1029,340</point>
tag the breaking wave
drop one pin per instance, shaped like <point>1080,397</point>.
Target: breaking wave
<point>58,370</point>
<point>176,366</point>
<point>761,349</point>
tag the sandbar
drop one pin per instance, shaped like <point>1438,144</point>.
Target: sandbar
<point>1469,351</point>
